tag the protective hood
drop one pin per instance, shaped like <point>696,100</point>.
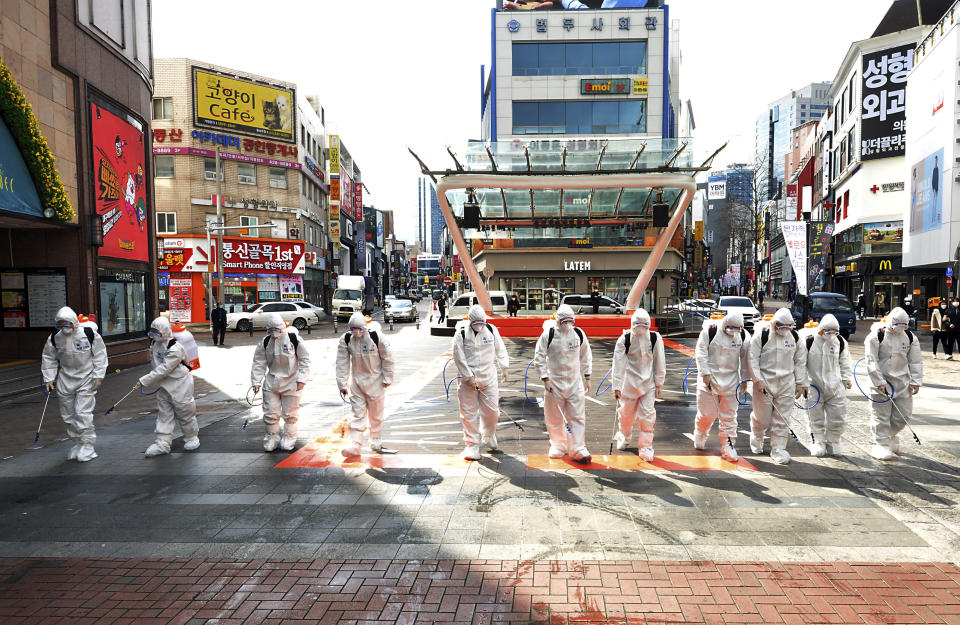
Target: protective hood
<point>908,299</point>
<point>357,320</point>
<point>565,312</point>
<point>640,317</point>
<point>829,322</point>
<point>897,315</point>
<point>476,313</point>
<point>162,325</point>
<point>275,320</point>
<point>782,316</point>
<point>66,314</point>
<point>732,318</point>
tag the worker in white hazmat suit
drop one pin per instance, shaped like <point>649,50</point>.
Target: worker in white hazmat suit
<point>639,369</point>
<point>779,366</point>
<point>893,359</point>
<point>73,365</point>
<point>564,361</point>
<point>722,357</point>
<point>477,352</point>
<point>364,371</point>
<point>281,363</point>
<point>175,401</point>
<point>829,369</point>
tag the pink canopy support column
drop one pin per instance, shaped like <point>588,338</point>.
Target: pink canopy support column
<point>569,181</point>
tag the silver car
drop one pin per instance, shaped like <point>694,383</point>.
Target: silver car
<point>400,310</point>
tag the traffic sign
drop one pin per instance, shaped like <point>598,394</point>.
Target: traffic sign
<point>949,271</point>
<point>949,281</point>
<point>447,281</point>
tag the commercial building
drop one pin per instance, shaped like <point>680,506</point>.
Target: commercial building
<point>868,168</point>
<point>199,111</point>
<point>576,89</point>
<point>931,232</point>
<point>347,234</point>
<point>773,137</point>
<point>76,200</point>
<point>314,202</point>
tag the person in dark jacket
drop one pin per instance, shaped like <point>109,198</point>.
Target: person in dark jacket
<point>513,305</point>
<point>219,319</point>
<point>442,307</point>
<point>595,301</point>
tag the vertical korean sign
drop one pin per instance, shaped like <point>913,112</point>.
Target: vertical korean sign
<point>820,235</point>
<point>120,193</point>
<point>795,238</point>
<point>884,118</point>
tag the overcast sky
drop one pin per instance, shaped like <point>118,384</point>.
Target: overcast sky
<point>393,74</point>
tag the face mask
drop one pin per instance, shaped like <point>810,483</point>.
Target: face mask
<point>955,304</point>
<point>943,306</point>
<point>899,327</point>
<point>154,335</point>
<point>732,330</point>
<point>477,325</point>
<point>781,328</point>
<point>356,331</point>
<point>641,327</point>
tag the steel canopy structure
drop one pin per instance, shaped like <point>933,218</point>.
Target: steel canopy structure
<point>605,189</point>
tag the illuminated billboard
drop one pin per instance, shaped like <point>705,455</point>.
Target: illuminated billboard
<point>243,105</point>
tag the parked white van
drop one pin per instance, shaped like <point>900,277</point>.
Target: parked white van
<point>462,303</point>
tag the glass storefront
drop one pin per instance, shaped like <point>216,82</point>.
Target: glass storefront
<point>123,302</point>
<point>538,293</point>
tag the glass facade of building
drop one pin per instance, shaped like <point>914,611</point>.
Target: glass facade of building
<point>580,117</point>
<point>579,58</point>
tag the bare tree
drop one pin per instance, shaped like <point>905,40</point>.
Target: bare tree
<point>746,196</point>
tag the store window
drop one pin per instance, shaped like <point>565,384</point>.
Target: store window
<point>246,173</point>
<point>580,117</point>
<point>579,58</point>
<point>210,169</point>
<point>278,178</point>
<point>163,108</point>
<point>123,303</point>
<point>166,223</point>
<point>163,166</point>
<point>538,293</point>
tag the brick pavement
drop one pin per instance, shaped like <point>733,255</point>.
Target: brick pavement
<point>478,592</point>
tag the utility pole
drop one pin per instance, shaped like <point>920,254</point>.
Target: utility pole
<point>220,224</point>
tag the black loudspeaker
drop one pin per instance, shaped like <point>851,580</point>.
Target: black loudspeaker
<point>661,215</point>
<point>471,215</point>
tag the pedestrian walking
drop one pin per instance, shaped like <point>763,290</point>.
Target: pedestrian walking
<point>952,323</point>
<point>442,307</point>
<point>937,327</point>
<point>219,320</point>
<point>879,304</point>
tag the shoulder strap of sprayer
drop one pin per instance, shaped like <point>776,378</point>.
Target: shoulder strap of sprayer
<point>553,332</point>
<point>626,341</point>
<point>170,344</point>
<point>882,331</point>
<point>90,334</point>
<point>843,343</point>
<point>712,332</point>
<point>373,337</point>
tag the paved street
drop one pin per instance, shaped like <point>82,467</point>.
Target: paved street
<point>508,533</point>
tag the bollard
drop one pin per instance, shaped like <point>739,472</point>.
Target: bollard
<point>391,324</point>
<point>251,328</point>
<point>308,328</point>
<point>335,324</point>
<point>417,318</point>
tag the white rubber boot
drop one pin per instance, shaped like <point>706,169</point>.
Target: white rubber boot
<point>880,452</point>
<point>699,440</point>
<point>727,451</point>
<point>556,452</point>
<point>86,453</point>
<point>647,454</point>
<point>156,450</point>
<point>818,450</point>
<point>471,452</point>
<point>191,444</point>
<point>270,442</point>
<point>780,456</point>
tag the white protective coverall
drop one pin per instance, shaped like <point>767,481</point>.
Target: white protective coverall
<point>779,368</point>
<point>175,394</point>
<point>561,363</point>
<point>896,360</point>
<point>282,368</point>
<point>638,377</point>
<point>477,352</point>
<point>364,371</point>
<point>721,363</point>
<point>78,369</point>
<point>830,370</point>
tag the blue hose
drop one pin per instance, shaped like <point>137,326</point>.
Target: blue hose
<point>685,386</point>
<point>737,393</point>
<point>598,392</point>
<point>813,386</point>
<point>448,385</point>
<point>892,390</point>
<point>153,393</point>
<point>343,398</point>
<point>525,394</point>
<point>445,372</point>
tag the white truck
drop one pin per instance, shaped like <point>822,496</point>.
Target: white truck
<point>351,296</point>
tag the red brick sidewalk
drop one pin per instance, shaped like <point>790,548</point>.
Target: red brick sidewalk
<point>479,592</point>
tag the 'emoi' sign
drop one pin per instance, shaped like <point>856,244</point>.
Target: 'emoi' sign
<point>605,86</point>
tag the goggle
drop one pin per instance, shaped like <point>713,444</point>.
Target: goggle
<point>274,330</point>
<point>154,334</point>
<point>781,326</point>
<point>900,325</point>
<point>734,328</point>
<point>477,323</point>
<point>566,320</point>
<point>357,331</point>
<point>63,325</point>
<point>829,332</point>
<point>642,324</point>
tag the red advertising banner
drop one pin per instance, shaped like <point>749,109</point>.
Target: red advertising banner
<point>413,265</point>
<point>358,201</point>
<point>248,255</point>
<point>187,254</point>
<point>119,186</point>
